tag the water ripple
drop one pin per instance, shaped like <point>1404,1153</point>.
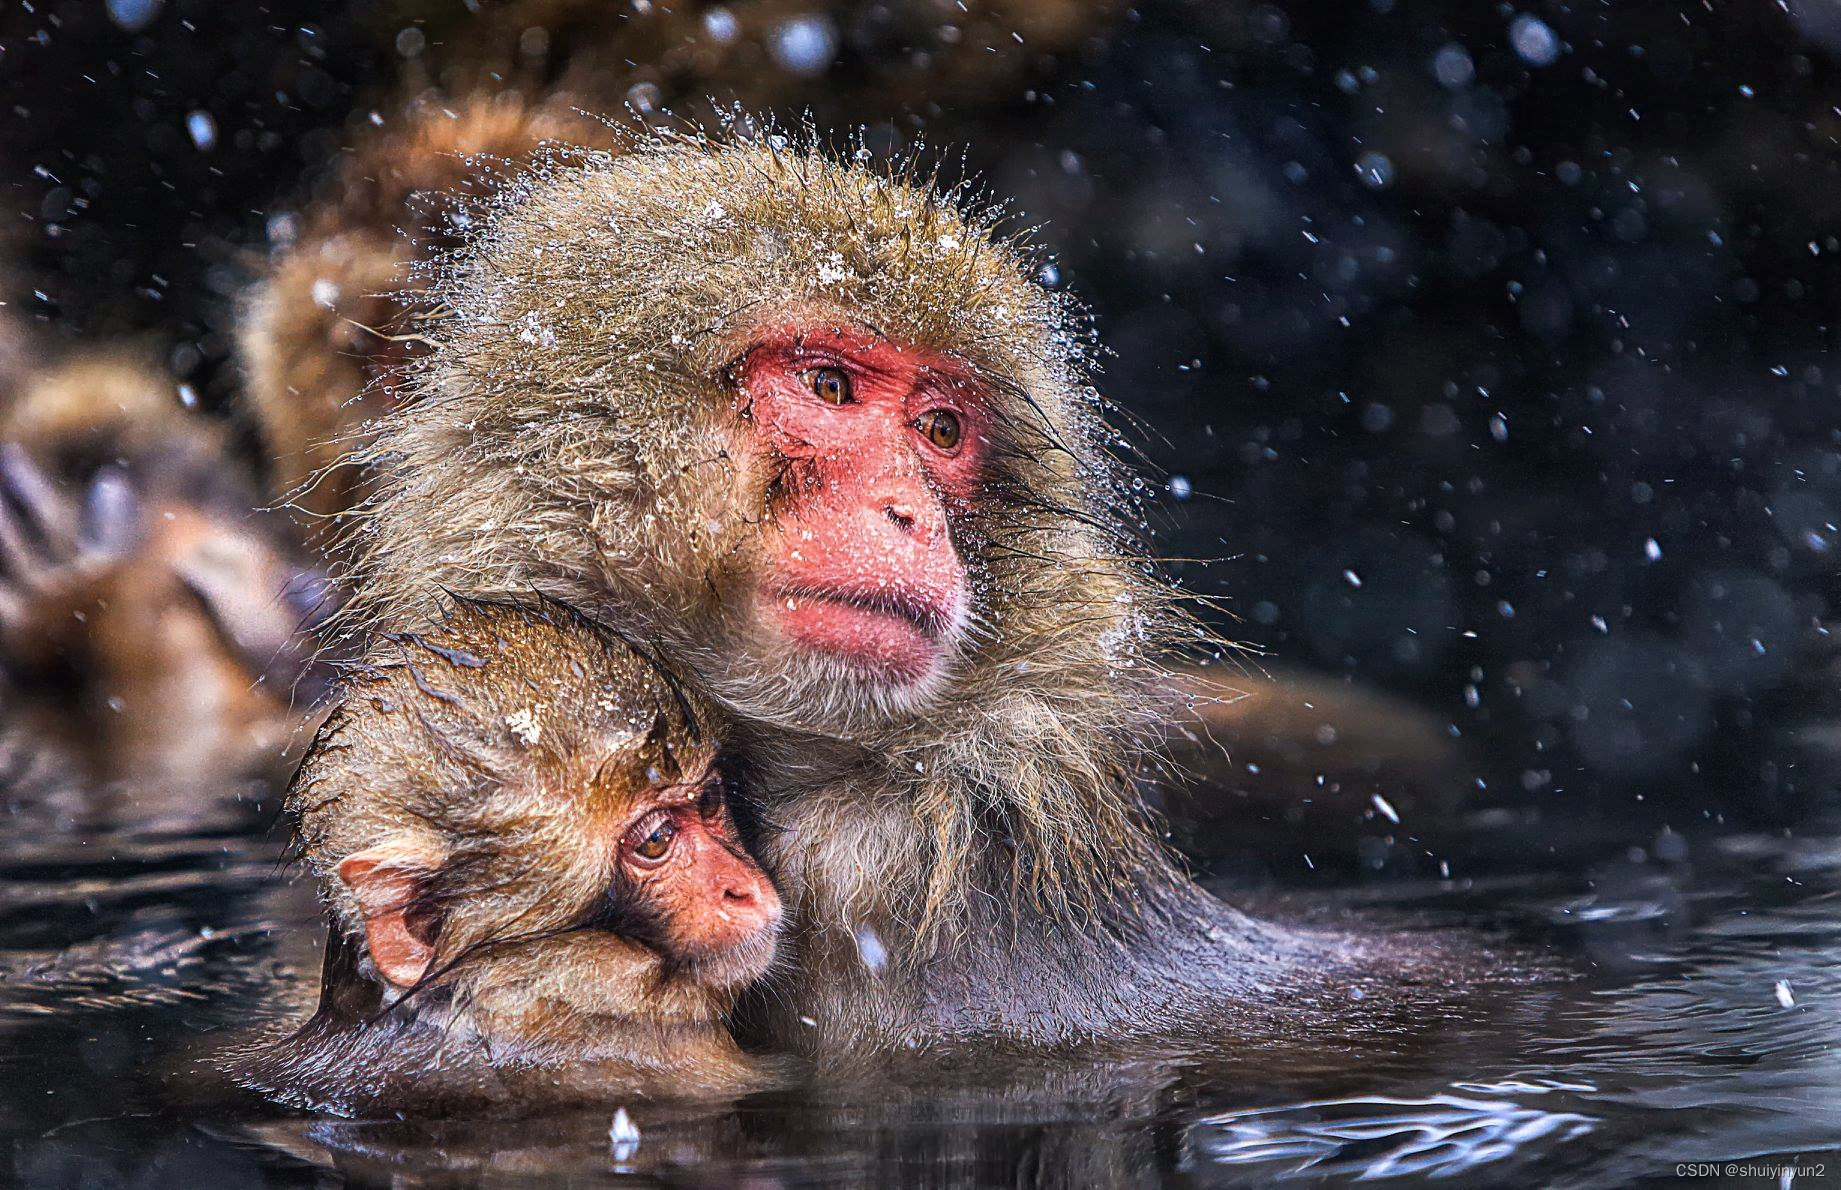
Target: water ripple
<point>1383,1137</point>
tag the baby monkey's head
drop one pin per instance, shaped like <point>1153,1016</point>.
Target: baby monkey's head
<point>519,807</point>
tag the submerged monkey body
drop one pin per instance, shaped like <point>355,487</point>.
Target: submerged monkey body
<point>960,843</point>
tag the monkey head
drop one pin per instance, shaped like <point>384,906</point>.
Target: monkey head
<point>811,429</point>
<point>519,804</point>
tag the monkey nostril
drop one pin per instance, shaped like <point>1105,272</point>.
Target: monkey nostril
<point>901,515</point>
<point>741,895</point>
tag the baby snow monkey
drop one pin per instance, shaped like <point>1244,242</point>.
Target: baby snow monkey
<point>536,892</point>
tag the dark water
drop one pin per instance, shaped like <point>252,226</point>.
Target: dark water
<point>1698,1024</point>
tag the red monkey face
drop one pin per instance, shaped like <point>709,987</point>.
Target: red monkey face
<point>876,449</point>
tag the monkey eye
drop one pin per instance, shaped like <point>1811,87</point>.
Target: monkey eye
<point>830,385</point>
<point>940,427</point>
<point>653,845</point>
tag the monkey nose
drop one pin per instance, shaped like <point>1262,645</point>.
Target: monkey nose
<point>746,900</point>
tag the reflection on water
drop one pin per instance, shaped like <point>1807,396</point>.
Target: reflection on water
<point>1703,1029</point>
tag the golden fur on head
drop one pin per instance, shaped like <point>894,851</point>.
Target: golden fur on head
<point>571,435</point>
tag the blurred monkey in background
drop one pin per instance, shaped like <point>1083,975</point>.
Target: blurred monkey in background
<point>149,615</point>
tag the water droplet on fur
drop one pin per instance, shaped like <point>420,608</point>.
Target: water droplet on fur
<point>875,956</point>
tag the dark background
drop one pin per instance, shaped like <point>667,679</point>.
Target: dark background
<point>1485,350</point>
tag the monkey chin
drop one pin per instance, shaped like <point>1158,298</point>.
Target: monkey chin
<point>828,665</point>
<point>729,969</point>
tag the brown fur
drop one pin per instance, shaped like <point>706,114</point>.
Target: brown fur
<point>328,331</point>
<point>506,751</point>
<point>967,865</point>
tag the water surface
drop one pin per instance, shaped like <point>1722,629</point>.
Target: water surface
<point>1690,1015</point>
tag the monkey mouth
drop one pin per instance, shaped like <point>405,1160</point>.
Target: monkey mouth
<point>894,633</point>
<point>927,617</point>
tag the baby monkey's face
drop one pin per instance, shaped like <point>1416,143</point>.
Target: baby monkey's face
<point>683,884</point>
<point>554,824</point>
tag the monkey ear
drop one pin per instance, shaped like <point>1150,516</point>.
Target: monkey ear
<point>387,881</point>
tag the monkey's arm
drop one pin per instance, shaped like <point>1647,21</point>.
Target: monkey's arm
<point>60,558</point>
